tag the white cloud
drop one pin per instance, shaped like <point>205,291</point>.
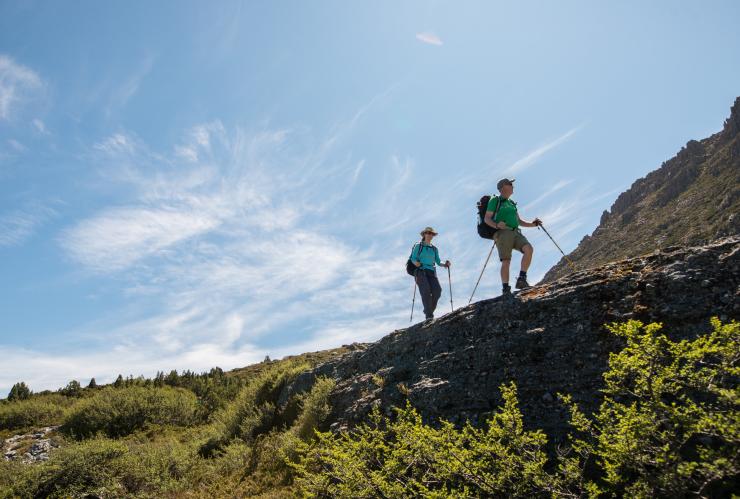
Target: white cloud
<point>533,156</point>
<point>17,146</point>
<point>40,126</point>
<point>42,370</point>
<point>119,237</point>
<point>19,225</point>
<point>16,81</point>
<point>130,85</point>
<point>429,38</point>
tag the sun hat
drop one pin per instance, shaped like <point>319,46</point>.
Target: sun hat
<point>428,229</point>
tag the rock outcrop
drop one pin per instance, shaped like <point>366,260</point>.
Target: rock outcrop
<point>30,447</point>
<point>691,199</point>
<point>549,339</point>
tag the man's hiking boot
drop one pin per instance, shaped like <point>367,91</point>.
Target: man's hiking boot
<point>521,283</point>
<point>506,291</point>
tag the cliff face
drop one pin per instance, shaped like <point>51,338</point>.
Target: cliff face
<point>691,199</point>
<point>548,339</point>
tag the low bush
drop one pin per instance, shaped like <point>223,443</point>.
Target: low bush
<point>39,410</point>
<point>669,426</point>
<point>118,412</point>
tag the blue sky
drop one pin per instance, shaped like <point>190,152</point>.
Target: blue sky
<point>190,184</point>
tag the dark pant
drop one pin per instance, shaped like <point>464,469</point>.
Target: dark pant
<point>429,289</point>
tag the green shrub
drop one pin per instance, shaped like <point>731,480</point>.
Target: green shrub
<point>669,425</point>
<point>105,467</point>
<point>39,410</point>
<point>89,467</point>
<point>255,410</point>
<point>118,412</point>
<point>406,458</point>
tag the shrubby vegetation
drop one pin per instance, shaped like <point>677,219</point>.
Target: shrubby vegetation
<point>39,410</point>
<point>668,426</point>
<point>116,413</point>
<point>129,444</point>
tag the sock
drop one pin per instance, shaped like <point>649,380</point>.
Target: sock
<point>506,285</point>
<point>522,274</point>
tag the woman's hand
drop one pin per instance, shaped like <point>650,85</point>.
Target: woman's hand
<point>418,264</point>
<point>448,264</point>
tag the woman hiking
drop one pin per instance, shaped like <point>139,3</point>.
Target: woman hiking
<point>424,256</point>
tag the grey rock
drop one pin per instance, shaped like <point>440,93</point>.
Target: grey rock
<point>548,339</point>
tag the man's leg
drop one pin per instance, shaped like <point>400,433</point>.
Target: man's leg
<point>527,250</point>
<point>527,257</point>
<point>505,242</point>
<point>505,271</point>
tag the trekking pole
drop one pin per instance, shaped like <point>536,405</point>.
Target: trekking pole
<point>413,300</point>
<point>572,265</point>
<point>481,272</point>
<point>449,279</point>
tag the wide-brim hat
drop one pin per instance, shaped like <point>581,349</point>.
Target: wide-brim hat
<point>428,229</point>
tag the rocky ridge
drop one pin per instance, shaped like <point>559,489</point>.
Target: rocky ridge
<point>549,339</point>
<point>691,199</point>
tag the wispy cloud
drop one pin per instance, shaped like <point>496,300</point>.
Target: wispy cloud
<point>16,81</point>
<point>533,156</point>
<point>19,225</point>
<point>429,38</point>
<point>40,126</point>
<point>122,93</point>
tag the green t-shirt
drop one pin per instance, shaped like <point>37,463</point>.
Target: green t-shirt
<point>506,212</point>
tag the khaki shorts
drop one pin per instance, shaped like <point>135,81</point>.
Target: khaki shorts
<point>508,240</point>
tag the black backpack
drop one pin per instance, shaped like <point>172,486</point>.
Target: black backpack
<point>410,267</point>
<point>484,230</point>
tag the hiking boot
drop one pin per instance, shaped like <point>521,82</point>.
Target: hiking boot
<point>522,283</point>
<point>506,290</point>
<point>429,318</point>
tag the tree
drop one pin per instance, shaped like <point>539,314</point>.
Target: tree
<point>19,391</point>
<point>118,383</point>
<point>92,383</point>
<point>73,389</point>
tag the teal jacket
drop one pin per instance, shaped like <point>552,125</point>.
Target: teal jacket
<point>426,254</point>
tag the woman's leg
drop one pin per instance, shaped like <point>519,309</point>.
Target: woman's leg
<point>422,280</point>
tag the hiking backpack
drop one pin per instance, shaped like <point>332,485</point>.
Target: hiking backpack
<point>484,230</point>
<point>410,267</point>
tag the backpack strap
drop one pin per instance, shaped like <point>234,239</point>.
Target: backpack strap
<point>498,205</point>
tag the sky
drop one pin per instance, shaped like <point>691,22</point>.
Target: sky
<point>186,185</point>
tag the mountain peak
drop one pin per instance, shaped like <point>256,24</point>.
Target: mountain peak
<point>692,198</point>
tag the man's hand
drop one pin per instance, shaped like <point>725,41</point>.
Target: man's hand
<point>537,222</point>
<point>501,225</point>
<point>418,264</point>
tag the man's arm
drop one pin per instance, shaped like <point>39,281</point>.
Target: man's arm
<point>534,223</point>
<point>488,220</point>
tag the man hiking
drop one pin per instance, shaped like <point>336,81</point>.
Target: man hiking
<point>502,214</point>
<point>424,256</point>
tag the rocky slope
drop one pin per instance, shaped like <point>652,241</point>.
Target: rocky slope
<point>691,199</point>
<point>549,339</point>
